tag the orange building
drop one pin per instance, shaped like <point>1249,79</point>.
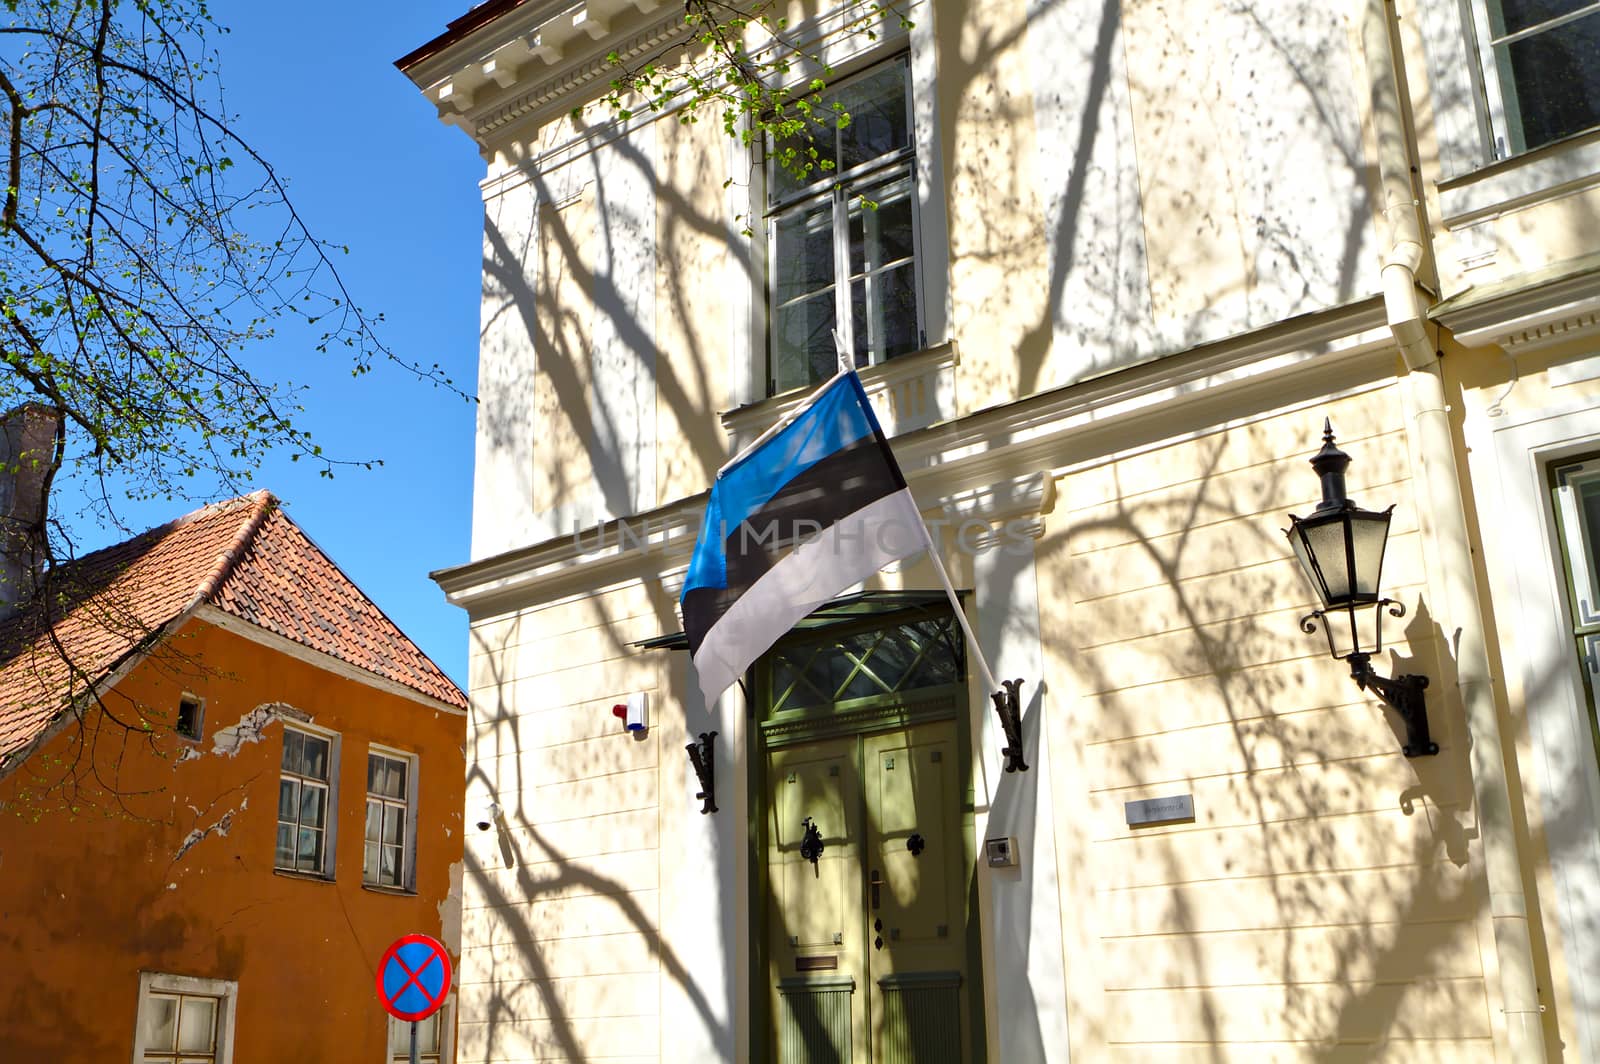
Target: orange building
<point>229,782</point>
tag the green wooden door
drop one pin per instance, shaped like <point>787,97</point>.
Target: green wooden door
<point>865,847</point>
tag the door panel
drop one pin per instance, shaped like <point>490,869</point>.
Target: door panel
<point>914,845</point>
<point>867,945</point>
<point>814,926</point>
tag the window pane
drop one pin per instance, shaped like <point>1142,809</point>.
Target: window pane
<point>288,798</point>
<point>895,312</point>
<point>795,152</point>
<point>197,1024</point>
<point>394,823</point>
<point>803,348</point>
<point>313,806</point>
<point>316,758</point>
<point>374,820</point>
<point>879,123</point>
<point>160,1022</point>
<point>369,863</point>
<point>309,856</point>
<point>293,744</point>
<point>1513,16</point>
<point>884,309</point>
<point>374,774</point>
<point>389,872</point>
<point>802,261</point>
<point>882,235</point>
<point>397,779</point>
<point>1555,79</point>
<point>283,857</point>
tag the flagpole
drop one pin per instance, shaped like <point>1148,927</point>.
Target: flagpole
<point>955,606</point>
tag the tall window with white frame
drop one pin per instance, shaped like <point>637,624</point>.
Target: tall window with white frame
<point>303,801</point>
<point>390,789</point>
<point>1541,70</point>
<point>844,241</point>
<point>1575,487</point>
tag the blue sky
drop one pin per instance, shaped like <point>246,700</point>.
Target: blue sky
<point>370,166</point>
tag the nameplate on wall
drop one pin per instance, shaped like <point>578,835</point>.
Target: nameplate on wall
<point>1172,810</point>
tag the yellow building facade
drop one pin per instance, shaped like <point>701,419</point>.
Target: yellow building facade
<point>1115,266</point>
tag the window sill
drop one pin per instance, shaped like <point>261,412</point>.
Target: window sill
<point>908,393</point>
<point>1547,173</point>
<point>399,892</point>
<point>308,877</point>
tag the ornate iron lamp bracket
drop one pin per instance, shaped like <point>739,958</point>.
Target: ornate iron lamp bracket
<point>700,756</point>
<point>1403,694</point>
<point>1008,703</point>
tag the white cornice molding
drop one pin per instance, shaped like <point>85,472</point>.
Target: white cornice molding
<point>969,466</point>
<point>533,59</point>
<point>1529,316</point>
<point>327,662</point>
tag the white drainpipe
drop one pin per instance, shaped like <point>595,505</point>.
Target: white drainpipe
<point>1444,521</point>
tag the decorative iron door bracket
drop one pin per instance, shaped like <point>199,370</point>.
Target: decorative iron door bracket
<point>1404,695</point>
<point>1008,703</point>
<point>701,757</point>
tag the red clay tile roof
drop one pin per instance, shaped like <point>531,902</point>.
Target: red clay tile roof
<point>244,557</point>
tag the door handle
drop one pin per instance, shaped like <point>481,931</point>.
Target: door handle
<point>876,881</point>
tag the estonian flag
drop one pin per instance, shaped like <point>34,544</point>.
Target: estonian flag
<point>828,482</point>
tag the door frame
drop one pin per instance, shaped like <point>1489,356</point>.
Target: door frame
<point>857,718</point>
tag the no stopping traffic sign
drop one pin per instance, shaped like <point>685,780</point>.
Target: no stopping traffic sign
<point>413,977</point>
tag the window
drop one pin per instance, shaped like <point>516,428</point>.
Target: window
<point>184,1020</point>
<point>844,242</point>
<point>391,781</point>
<point>1576,487</point>
<point>303,801</point>
<point>429,1045</point>
<point>851,662</point>
<point>1541,70</point>
<point>190,717</point>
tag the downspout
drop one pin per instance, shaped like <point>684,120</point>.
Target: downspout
<point>1444,517</point>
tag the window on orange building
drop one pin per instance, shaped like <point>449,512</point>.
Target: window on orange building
<point>305,790</point>
<point>390,845</point>
<point>184,1020</point>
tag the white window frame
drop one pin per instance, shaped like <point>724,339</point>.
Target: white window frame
<point>1511,466</point>
<point>447,1031</point>
<point>1505,123</point>
<point>408,869</point>
<point>330,831</point>
<point>226,991</point>
<point>841,190</point>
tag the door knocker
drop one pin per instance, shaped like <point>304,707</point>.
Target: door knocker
<point>811,841</point>
<point>916,843</point>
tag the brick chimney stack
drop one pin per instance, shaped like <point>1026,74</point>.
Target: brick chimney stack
<point>27,444</point>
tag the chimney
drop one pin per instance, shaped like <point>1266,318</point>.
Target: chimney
<point>27,445</point>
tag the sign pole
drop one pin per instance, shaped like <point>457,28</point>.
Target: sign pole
<point>414,1057</point>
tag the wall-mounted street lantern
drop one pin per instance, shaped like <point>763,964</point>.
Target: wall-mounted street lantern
<point>1340,547</point>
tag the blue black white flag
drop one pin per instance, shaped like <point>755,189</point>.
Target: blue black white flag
<point>816,508</point>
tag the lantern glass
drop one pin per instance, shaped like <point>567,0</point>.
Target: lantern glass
<point>1341,553</point>
<point>1368,535</point>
